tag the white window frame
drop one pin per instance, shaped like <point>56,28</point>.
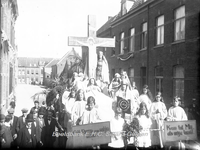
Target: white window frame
<point>160,30</point>
<point>178,82</point>
<point>132,40</point>
<point>113,49</point>
<point>122,43</point>
<point>144,36</point>
<point>158,80</point>
<point>179,24</point>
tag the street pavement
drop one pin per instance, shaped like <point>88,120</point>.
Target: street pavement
<point>23,97</point>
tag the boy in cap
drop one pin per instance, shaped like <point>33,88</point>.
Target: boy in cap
<point>26,137</point>
<point>13,125</point>
<point>22,119</point>
<point>7,133</point>
<point>6,136</point>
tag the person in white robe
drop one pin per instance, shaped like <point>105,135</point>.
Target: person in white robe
<point>176,113</point>
<point>102,69</point>
<point>144,98</point>
<point>78,108</point>
<point>158,112</point>
<point>92,86</point>
<point>91,114</point>
<point>103,102</point>
<point>69,100</point>
<point>144,138</point>
<point>116,127</point>
<point>114,85</point>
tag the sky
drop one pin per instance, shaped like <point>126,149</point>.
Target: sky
<point>43,26</point>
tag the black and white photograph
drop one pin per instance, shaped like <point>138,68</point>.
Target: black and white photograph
<point>100,74</point>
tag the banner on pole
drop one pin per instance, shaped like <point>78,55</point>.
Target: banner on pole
<point>180,130</point>
<point>91,134</point>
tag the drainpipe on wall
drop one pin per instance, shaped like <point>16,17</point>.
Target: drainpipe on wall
<point>148,50</point>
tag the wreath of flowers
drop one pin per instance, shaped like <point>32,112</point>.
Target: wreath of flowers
<point>132,130</point>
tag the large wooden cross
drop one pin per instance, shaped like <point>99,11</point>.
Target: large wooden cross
<point>92,42</point>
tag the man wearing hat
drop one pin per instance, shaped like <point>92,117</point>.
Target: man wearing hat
<point>21,121</point>
<point>26,138</point>
<point>50,124</point>
<point>13,125</point>
<point>36,107</point>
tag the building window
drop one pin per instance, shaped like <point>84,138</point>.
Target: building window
<point>160,30</point>
<point>19,72</point>
<point>28,72</point>
<point>113,50</point>
<point>143,76</point>
<point>179,23</point>
<point>23,72</point>
<point>36,72</point>
<point>23,81</point>
<point>178,81</point>
<point>122,43</point>
<point>131,74</point>
<point>144,36</point>
<point>32,71</point>
<point>132,40</point>
<point>158,79</point>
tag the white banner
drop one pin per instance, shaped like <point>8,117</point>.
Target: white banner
<point>180,130</point>
<point>91,134</point>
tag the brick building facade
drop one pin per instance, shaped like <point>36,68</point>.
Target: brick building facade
<point>157,43</point>
<point>8,53</point>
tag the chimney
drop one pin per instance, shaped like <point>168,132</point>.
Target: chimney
<point>109,17</point>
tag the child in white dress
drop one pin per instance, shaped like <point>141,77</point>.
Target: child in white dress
<point>116,127</point>
<point>144,138</point>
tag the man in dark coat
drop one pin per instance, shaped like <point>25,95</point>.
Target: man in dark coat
<point>41,116</point>
<point>5,132</point>
<point>21,120</point>
<point>13,126</point>
<point>26,138</point>
<point>50,124</point>
<point>35,128</point>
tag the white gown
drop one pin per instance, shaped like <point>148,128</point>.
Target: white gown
<point>103,103</point>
